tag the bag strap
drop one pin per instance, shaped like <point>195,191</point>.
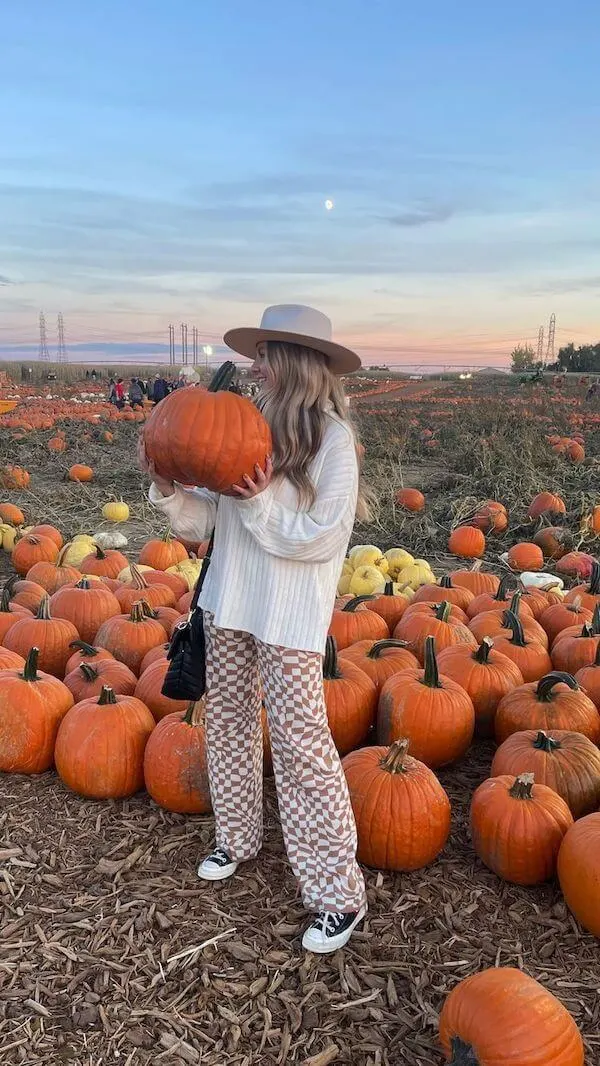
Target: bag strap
<point>202,575</point>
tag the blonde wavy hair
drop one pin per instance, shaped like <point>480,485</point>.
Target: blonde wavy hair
<point>295,399</point>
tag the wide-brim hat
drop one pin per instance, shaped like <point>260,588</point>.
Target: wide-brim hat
<point>294,324</point>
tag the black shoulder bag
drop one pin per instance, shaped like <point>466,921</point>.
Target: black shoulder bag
<point>186,677</point>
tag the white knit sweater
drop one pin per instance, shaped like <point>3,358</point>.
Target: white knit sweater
<point>275,567</point>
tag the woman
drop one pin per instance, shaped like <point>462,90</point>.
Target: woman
<point>280,540</point>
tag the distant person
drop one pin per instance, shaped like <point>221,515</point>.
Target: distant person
<point>136,393</point>
<point>160,389</point>
<point>120,393</point>
<point>181,382</point>
<point>94,375</point>
<point>87,375</point>
<point>593,391</point>
<point>111,391</point>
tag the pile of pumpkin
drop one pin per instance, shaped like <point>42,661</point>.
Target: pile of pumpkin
<point>423,670</point>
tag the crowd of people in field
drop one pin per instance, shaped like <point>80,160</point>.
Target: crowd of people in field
<point>136,391</point>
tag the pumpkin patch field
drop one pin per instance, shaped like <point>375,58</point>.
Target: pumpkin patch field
<point>462,682</point>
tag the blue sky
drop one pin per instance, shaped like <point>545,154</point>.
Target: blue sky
<point>167,162</point>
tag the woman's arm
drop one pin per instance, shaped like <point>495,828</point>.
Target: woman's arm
<point>191,513</point>
<point>316,535</point>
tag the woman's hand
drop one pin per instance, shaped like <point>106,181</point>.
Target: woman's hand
<point>252,488</point>
<point>164,486</point>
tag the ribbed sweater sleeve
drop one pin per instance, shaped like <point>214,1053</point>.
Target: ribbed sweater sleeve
<point>316,535</point>
<point>191,512</point>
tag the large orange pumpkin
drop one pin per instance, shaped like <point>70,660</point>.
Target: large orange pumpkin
<point>554,702</point>
<point>528,653</point>
<point>354,622</point>
<point>207,437</point>
<point>87,605</point>
<point>559,616</point>
<point>350,699</point>
<point>476,580</point>
<point>100,745</point>
<point>579,871</point>
<point>577,646</point>
<point>139,589</point>
<point>9,512</point>
<point>32,549</point>
<point>9,660</point>
<point>81,473</point>
<point>129,637</point>
<point>87,680</point>
<point>589,679</point>
<point>389,606</point>
<point>502,1017</point>
<point>409,499</point>
<point>496,623</point>
<point>53,575</point>
<point>148,690</point>
<point>380,659</point>
<point>25,594</point>
<point>565,761</point>
<point>14,477</point>
<point>416,628</point>
<point>402,812</point>
<point>525,556</point>
<point>588,595</point>
<point>163,553</point>
<point>467,542</point>
<point>445,592</point>
<point>101,563</point>
<point>48,531</point>
<point>10,613</point>
<point>485,674</point>
<point>491,517</point>
<point>517,828</point>
<point>85,653</point>
<point>431,711</point>
<point>51,635</point>
<point>546,503</point>
<point>32,705</point>
<point>175,768</point>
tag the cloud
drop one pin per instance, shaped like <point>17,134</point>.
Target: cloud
<point>5,281</point>
<point>422,216</point>
<point>565,286</point>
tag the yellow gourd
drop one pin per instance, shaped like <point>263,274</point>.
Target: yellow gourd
<point>125,575</point>
<point>343,587</point>
<point>398,559</point>
<point>188,569</point>
<point>77,549</point>
<point>417,574</point>
<point>366,580</point>
<point>115,511</point>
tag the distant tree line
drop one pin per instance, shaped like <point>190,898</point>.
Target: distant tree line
<point>582,360</point>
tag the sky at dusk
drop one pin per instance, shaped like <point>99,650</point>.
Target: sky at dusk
<point>170,161</point>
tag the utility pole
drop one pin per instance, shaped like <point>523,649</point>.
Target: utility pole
<point>171,345</point>
<point>540,345</point>
<point>551,332</point>
<point>62,351</point>
<point>184,344</point>
<point>43,353</point>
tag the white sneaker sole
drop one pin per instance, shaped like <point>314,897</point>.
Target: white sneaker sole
<point>216,873</point>
<point>327,947</point>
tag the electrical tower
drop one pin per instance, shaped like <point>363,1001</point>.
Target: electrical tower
<point>44,354</point>
<point>540,345</point>
<point>184,344</point>
<point>62,351</point>
<point>171,345</point>
<point>551,332</point>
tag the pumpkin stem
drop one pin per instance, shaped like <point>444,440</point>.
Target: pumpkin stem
<point>597,659</point>
<point>547,683</point>
<point>442,613</point>
<point>5,600</point>
<point>99,553</point>
<point>351,606</point>
<point>446,582</point>
<point>389,588</point>
<point>596,621</point>
<point>515,603</point>
<point>594,588</point>
<point>83,584</point>
<point>393,760</point>
<point>148,611</point>
<point>138,581</point>
<point>331,670</point>
<point>44,608</point>
<point>85,649</point>
<point>106,696</point>
<point>61,555</point>
<point>513,623</point>
<point>89,672</point>
<point>431,675</point>
<point>381,645</point>
<point>543,742</point>
<point>138,611</point>
<point>521,787</point>
<point>483,652</point>
<point>462,1054</point>
<point>189,716</point>
<point>502,592</point>
<point>223,377</point>
<point>30,671</point>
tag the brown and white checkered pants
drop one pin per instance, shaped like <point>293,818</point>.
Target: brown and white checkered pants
<point>316,816</point>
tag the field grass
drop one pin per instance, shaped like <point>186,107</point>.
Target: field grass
<point>97,898</point>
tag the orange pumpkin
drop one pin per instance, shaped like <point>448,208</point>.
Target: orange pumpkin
<point>588,595</point>
<point>14,477</point>
<point>579,871</point>
<point>51,635</point>
<point>517,828</point>
<point>577,646</point>
<point>554,702</point>
<point>555,541</point>
<point>445,592</point>
<point>380,659</point>
<point>163,553</point>
<point>434,713</point>
<point>207,437</point>
<point>12,514</point>
<point>53,575</point>
<point>476,580</point>
<point>467,542</point>
<point>354,622</point>
<point>9,660</point>
<point>129,637</point>
<point>525,556</point>
<point>560,616</point>
<point>491,517</point>
<point>388,605</point>
<point>496,623</point>
<point>175,767</point>
<point>148,690</point>
<point>10,613</point>
<point>100,745</point>
<point>80,473</point>
<point>410,499</point>
<point>487,1019</point>
<point>32,549</point>
<point>546,503</point>
<point>485,674</point>
<point>82,652</point>
<point>101,563</point>
<point>402,812</point>
<point>529,655</point>
<point>589,679</point>
<point>152,656</point>
<point>87,605</point>
<point>139,589</point>
<point>416,628</point>
<point>565,761</point>
<point>350,699</point>
<point>88,680</point>
<point>27,737</point>
<point>48,531</point>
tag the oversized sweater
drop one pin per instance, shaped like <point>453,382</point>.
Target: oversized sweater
<point>275,567</point>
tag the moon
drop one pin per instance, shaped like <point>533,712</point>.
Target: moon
<point>329,205</point>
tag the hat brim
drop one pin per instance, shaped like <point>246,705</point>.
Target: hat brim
<point>245,340</point>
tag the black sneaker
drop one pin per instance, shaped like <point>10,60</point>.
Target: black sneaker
<point>329,931</point>
<point>217,866</point>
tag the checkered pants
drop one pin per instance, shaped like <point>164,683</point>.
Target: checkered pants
<point>316,815</point>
